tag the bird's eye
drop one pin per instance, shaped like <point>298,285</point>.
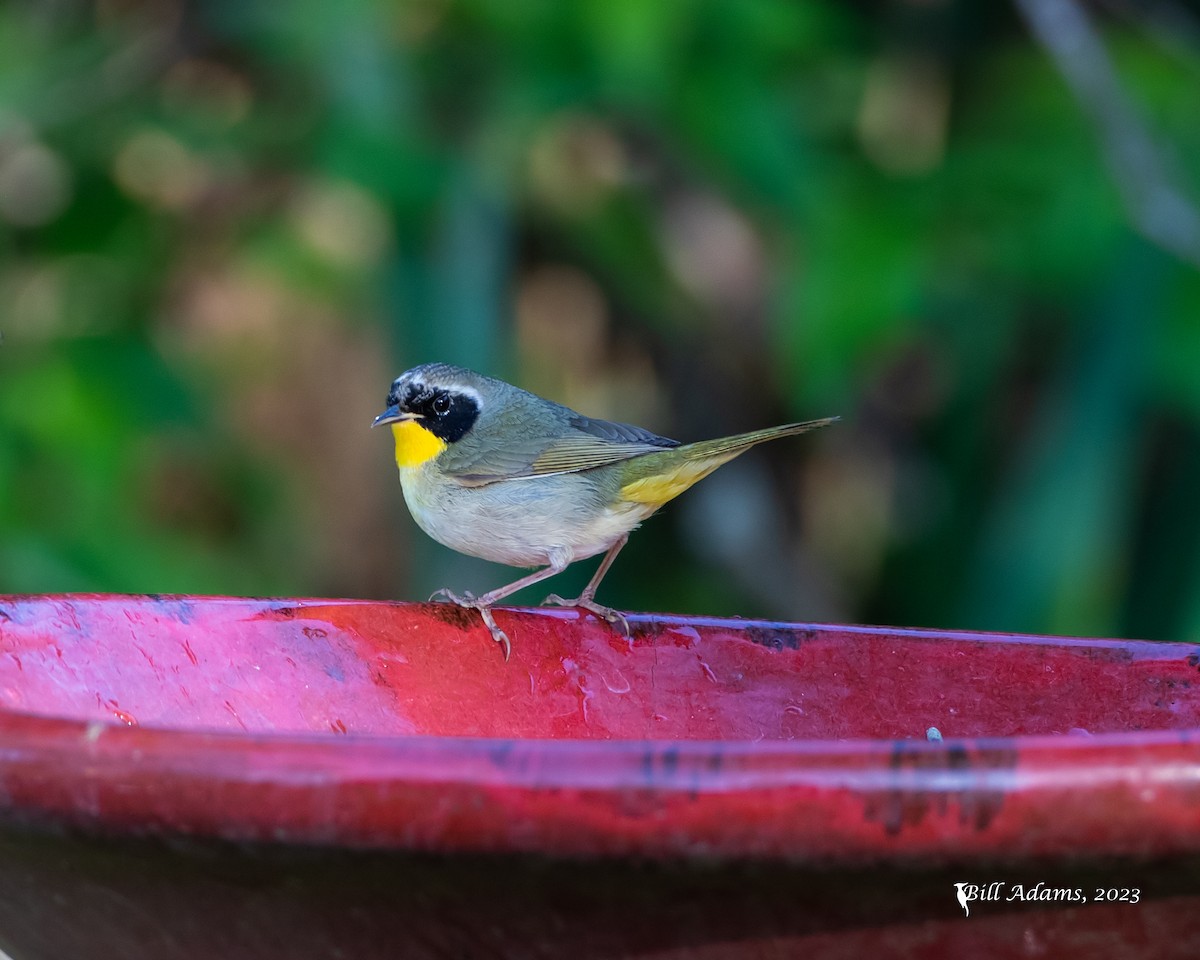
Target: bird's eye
<point>441,404</point>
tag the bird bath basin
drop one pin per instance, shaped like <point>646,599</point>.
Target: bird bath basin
<point>185,777</point>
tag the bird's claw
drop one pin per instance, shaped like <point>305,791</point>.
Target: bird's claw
<point>465,599</point>
<point>615,617</point>
<point>471,602</point>
<point>497,634</point>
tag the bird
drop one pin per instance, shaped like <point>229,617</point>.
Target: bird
<point>494,471</point>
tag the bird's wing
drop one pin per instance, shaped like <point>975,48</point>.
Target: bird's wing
<point>581,443</point>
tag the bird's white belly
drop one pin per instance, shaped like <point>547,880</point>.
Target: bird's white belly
<point>518,522</point>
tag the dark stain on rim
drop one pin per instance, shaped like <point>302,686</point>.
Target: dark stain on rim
<point>972,777</point>
<point>778,638</point>
<point>461,618</point>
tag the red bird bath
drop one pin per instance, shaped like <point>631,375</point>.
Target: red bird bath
<point>188,778</point>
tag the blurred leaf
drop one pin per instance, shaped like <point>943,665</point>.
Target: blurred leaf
<point>1050,554</point>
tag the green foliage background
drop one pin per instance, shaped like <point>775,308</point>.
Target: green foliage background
<point>226,226</point>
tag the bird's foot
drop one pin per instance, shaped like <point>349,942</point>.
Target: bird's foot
<point>445,595</point>
<point>471,602</point>
<point>615,617</point>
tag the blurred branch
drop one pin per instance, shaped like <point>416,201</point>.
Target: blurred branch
<point>1170,24</point>
<point>1158,206</point>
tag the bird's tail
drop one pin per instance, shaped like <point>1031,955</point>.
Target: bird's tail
<point>661,476</point>
<point>725,449</point>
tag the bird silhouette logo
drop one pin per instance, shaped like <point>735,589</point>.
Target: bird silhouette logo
<point>962,897</point>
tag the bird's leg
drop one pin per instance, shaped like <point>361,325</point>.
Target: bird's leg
<point>587,601</point>
<point>559,559</point>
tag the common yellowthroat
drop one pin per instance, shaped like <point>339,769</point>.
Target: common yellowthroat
<point>493,471</point>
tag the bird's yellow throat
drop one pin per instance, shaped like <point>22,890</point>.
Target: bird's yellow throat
<point>414,444</point>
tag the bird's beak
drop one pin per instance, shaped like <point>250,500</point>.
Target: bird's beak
<point>394,414</point>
